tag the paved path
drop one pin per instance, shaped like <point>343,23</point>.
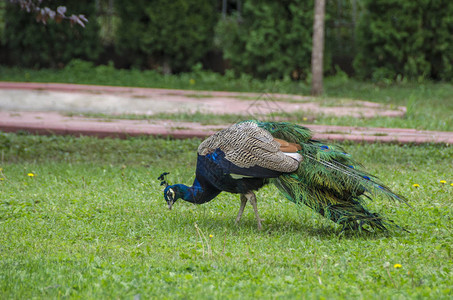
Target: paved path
<point>44,108</point>
<point>125,100</point>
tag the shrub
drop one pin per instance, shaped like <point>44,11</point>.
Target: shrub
<point>272,40</point>
<point>170,34</point>
<point>411,39</point>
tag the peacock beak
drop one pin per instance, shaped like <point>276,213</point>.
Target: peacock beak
<point>170,204</point>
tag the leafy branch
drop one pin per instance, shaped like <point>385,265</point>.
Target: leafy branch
<point>43,14</point>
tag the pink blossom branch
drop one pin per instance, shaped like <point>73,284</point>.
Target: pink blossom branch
<point>43,14</point>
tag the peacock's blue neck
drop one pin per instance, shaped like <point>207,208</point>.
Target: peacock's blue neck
<point>197,193</point>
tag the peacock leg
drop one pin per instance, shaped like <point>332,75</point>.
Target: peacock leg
<point>241,209</point>
<point>251,196</point>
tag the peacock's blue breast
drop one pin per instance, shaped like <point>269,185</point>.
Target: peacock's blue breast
<point>215,170</point>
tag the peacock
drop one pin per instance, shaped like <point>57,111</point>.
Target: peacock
<point>250,154</point>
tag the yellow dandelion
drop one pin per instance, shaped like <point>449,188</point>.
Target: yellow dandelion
<point>31,175</point>
<point>443,181</point>
<point>211,236</point>
<point>397,266</point>
<point>451,184</point>
<point>416,185</point>
<point>305,118</point>
<point>192,81</point>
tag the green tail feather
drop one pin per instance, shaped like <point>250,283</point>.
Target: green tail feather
<point>329,180</point>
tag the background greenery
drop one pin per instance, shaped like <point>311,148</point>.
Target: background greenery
<point>273,40</point>
<point>176,33</point>
<point>405,38</point>
<point>91,222</point>
<point>387,39</point>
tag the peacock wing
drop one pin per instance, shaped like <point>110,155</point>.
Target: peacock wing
<point>249,150</point>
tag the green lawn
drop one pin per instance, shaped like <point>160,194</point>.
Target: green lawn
<point>91,222</point>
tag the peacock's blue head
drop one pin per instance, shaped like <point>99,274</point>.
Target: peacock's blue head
<point>173,193</point>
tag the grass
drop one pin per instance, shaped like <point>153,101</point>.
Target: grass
<point>421,120</point>
<point>429,105</point>
<point>92,223</point>
<point>199,117</point>
<point>298,117</point>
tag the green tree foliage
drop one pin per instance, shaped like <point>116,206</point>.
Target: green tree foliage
<point>175,34</point>
<point>411,39</point>
<point>33,44</point>
<point>272,40</point>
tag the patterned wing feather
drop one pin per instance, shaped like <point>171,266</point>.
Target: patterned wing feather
<point>246,146</point>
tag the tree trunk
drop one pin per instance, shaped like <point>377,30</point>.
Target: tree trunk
<point>317,53</point>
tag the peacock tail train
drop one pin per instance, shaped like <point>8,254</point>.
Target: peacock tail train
<point>329,180</point>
